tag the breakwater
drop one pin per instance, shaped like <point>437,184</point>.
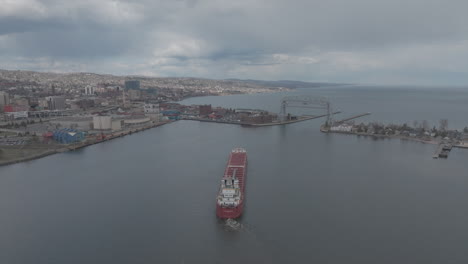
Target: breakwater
<point>274,123</point>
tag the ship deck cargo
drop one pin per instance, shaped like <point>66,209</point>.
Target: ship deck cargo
<point>231,196</point>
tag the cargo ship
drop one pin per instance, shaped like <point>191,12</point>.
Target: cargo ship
<point>231,196</point>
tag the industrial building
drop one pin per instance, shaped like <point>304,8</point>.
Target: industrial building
<point>205,110</point>
<point>152,111</point>
<point>102,122</point>
<point>13,112</point>
<point>171,114</point>
<point>257,118</point>
<point>68,136</point>
<point>151,108</point>
<point>83,123</point>
<point>55,102</point>
<point>107,123</point>
<point>134,121</point>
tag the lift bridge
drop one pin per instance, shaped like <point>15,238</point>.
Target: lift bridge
<point>311,102</point>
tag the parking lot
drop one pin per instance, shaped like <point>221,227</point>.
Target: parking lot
<point>12,141</point>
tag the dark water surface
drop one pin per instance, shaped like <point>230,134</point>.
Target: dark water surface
<point>311,197</point>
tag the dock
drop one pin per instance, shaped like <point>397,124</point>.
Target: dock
<point>276,123</point>
<point>299,119</point>
<point>442,151</point>
<point>80,145</point>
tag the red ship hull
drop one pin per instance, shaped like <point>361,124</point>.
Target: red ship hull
<point>226,213</point>
<point>236,166</point>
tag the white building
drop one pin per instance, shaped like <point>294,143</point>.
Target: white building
<point>116,125</point>
<point>341,128</point>
<point>17,115</point>
<point>102,122</point>
<point>152,111</point>
<point>90,90</point>
<point>107,123</point>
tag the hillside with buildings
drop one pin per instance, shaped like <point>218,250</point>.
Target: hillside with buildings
<point>45,113</point>
<point>46,83</point>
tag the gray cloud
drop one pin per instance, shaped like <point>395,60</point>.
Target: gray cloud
<point>335,40</point>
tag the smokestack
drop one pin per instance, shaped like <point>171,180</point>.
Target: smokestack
<point>124,101</point>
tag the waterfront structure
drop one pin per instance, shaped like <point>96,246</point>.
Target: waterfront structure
<point>107,123</point>
<point>305,101</point>
<point>151,108</point>
<point>341,128</point>
<point>68,136</point>
<point>116,124</point>
<point>205,110</point>
<point>102,122</point>
<point>231,196</point>
<point>258,118</point>
<point>82,123</point>
<point>136,121</point>
<point>152,111</point>
<point>172,114</point>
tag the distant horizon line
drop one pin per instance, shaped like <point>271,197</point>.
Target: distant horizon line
<point>334,83</point>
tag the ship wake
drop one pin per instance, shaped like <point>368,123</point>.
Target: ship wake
<point>232,225</point>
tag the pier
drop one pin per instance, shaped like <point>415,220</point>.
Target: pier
<point>442,151</point>
<point>76,146</point>
<point>299,119</point>
<point>353,117</point>
<point>275,123</point>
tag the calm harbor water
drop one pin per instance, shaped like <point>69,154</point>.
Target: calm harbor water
<point>311,197</point>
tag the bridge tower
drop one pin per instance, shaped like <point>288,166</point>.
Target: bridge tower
<point>311,102</point>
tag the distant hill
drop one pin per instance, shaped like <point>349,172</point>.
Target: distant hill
<point>13,78</point>
<point>288,83</point>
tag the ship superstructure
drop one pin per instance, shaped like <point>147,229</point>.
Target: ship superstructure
<point>231,196</point>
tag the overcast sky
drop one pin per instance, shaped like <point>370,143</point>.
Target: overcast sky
<point>358,41</point>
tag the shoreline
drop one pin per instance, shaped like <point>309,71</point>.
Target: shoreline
<point>300,119</point>
<point>74,147</point>
<point>30,158</point>
<point>431,142</point>
<point>89,142</point>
